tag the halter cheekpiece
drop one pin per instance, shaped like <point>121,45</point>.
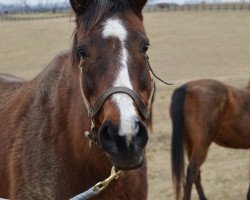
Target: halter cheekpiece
<point>93,110</point>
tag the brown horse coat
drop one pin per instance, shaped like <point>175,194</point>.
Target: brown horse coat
<point>202,112</point>
<point>43,151</point>
<point>45,154</point>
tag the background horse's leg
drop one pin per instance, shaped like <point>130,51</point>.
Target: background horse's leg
<point>196,155</point>
<point>248,194</point>
<point>188,184</point>
<point>199,187</point>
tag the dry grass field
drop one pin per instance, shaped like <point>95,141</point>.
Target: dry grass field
<point>184,46</point>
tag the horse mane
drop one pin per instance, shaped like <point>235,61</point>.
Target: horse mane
<point>94,13</point>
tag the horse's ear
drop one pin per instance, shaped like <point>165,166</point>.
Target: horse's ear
<point>139,4</point>
<point>79,6</point>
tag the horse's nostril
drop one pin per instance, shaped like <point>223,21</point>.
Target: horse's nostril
<point>107,134</point>
<point>107,137</point>
<point>141,137</point>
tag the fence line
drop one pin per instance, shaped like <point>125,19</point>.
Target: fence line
<point>199,7</point>
<point>26,17</point>
<point>165,7</point>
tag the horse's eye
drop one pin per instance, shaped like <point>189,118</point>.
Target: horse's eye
<point>145,48</point>
<point>83,53</point>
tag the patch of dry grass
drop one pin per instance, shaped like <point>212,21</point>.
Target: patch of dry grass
<point>185,46</point>
<point>28,46</point>
<point>194,45</point>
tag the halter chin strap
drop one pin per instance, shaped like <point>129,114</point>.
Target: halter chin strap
<point>93,110</point>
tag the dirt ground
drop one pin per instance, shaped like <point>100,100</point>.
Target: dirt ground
<point>184,46</point>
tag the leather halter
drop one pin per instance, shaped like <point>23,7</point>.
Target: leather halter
<point>102,98</point>
<point>93,110</point>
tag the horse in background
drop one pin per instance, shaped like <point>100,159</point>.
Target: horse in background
<point>202,112</point>
<point>248,194</point>
<point>101,86</point>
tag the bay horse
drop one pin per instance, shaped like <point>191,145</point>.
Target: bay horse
<point>202,112</point>
<point>101,86</point>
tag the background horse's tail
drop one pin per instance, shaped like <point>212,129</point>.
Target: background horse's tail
<point>177,150</point>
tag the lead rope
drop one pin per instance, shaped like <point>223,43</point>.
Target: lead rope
<point>95,190</point>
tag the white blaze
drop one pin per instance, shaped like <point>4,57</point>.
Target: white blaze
<point>115,28</point>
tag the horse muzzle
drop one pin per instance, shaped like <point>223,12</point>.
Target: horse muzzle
<point>126,151</point>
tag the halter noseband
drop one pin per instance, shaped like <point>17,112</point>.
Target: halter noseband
<point>93,110</point>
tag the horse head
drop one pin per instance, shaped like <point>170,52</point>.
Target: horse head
<point>110,46</point>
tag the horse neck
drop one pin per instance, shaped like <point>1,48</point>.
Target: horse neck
<point>71,113</point>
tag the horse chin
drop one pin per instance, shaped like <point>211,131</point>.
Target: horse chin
<point>126,166</point>
<point>130,167</point>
